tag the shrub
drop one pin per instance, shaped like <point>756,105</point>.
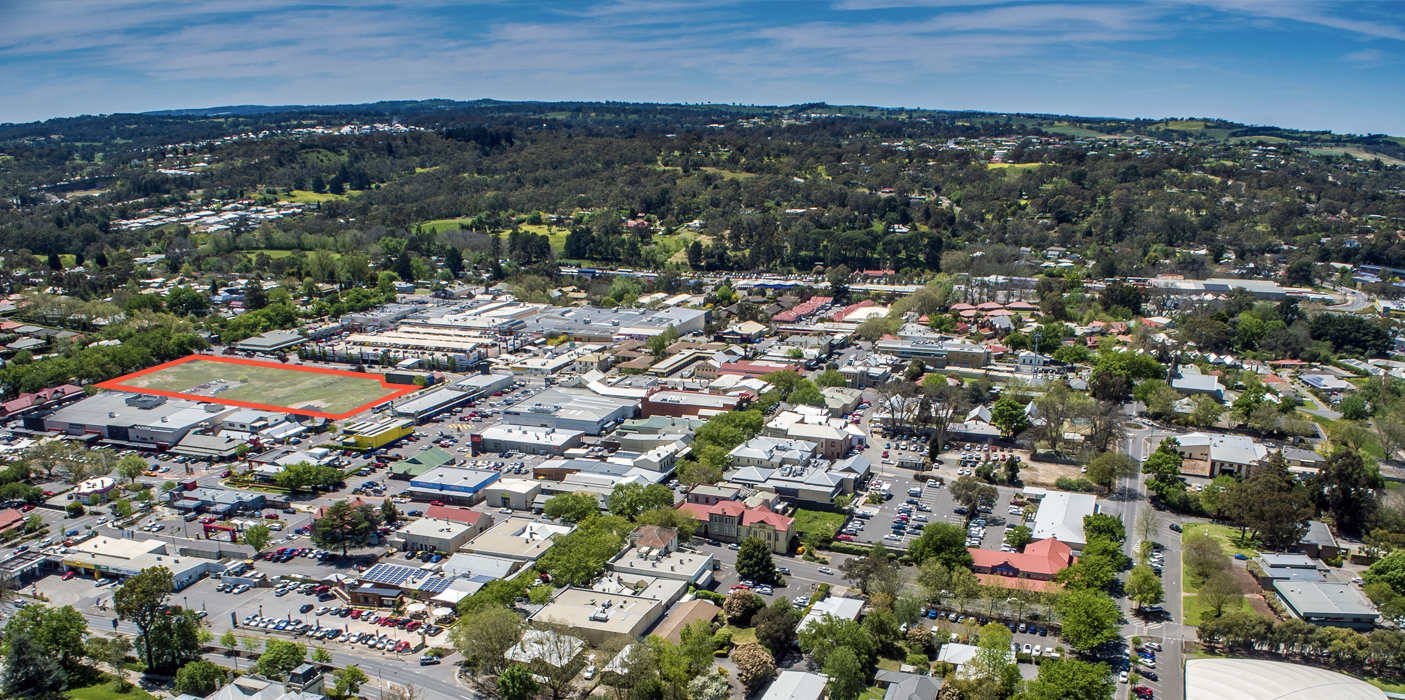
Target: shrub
<point>919,660</point>
<point>1064,483</point>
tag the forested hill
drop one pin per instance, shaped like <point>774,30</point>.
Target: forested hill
<point>695,187</point>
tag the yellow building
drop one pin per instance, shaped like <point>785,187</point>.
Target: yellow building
<point>377,432</point>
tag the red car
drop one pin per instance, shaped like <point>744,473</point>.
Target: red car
<point>413,626</point>
<point>1142,691</point>
<point>226,474</point>
<point>355,614</point>
<point>436,503</point>
<point>741,587</point>
<point>270,516</point>
<point>402,647</point>
<point>27,507</point>
<point>68,575</point>
<point>844,538</point>
<point>320,590</point>
<point>48,492</point>
<point>207,521</point>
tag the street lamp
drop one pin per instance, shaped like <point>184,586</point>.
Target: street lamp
<point>1036,336</point>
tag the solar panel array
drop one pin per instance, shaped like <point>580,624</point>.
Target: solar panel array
<point>388,574</point>
<point>434,584</point>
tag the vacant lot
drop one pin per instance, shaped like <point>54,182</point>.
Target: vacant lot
<point>1228,537</point>
<point>818,521</point>
<point>275,386</point>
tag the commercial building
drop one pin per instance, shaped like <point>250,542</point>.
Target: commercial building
<point>937,354</point>
<point>1041,561</point>
<point>216,501</point>
<point>427,534</point>
<point>730,521</point>
<point>1226,454</point>
<point>571,410</point>
<point>428,405</point>
<point>520,539</point>
<point>452,485</point>
<point>113,557</point>
<point>687,404</point>
<point>591,324</point>
<point>1060,516</point>
<point>377,432</point>
<point>1327,604</point>
<point>841,400</point>
<point>517,494</point>
<point>272,341</point>
<point>1263,289</point>
<point>421,463</point>
<point>536,441</point>
<point>132,420</point>
<point>478,521</point>
<point>834,436</point>
<point>1256,679</point>
<point>772,453</point>
<point>597,617</point>
<point>1319,543</point>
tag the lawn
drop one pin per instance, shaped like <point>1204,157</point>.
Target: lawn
<point>274,386</point>
<point>309,197</point>
<point>279,253</point>
<point>1391,685</point>
<point>104,691</point>
<point>1075,131</point>
<point>1191,610</point>
<point>873,693</point>
<point>1228,537</point>
<point>818,521</point>
<point>742,635</point>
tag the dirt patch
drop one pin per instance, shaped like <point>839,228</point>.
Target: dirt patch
<point>1253,593</point>
<point>1196,467</point>
<point>1034,473</point>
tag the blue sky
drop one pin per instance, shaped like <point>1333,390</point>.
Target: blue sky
<point>1295,63</point>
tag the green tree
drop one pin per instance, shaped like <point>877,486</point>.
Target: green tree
<point>280,657</point>
<point>831,378</point>
<point>173,641</point>
<point>320,655</point>
<point>1019,536</point>
<point>992,655</point>
<point>681,521</point>
<point>1070,679</point>
<point>344,526</point>
<point>754,560</point>
<point>1347,486</point>
<point>970,491</point>
<point>572,507</point>
<point>140,601</point>
<point>846,675</point>
<point>484,637</point>
<point>1008,415</point>
<point>131,467</point>
<point>755,665</point>
<point>775,626</point>
<point>517,683</point>
<point>741,605</point>
<point>631,499</point>
<point>200,678</point>
<point>389,513</point>
<point>1164,468</point>
<point>349,680</point>
<point>944,542</point>
<point>1144,586</point>
<point>1089,618</point>
<point>30,673</point>
<point>58,631</point>
<point>1104,526</point>
<point>258,537</point>
<point>1107,467</point>
<point>1220,591</point>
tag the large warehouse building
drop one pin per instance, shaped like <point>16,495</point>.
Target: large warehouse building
<point>132,420</point>
<point>1255,679</point>
<point>571,410</point>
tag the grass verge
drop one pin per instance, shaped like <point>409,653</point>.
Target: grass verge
<point>1191,610</point>
<point>1228,538</point>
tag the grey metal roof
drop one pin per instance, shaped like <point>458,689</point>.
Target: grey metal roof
<point>1319,534</point>
<point>1325,599</point>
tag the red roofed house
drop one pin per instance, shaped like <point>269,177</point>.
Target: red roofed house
<point>1021,306</point>
<point>477,522</point>
<point>39,399</point>
<point>1041,561</point>
<point>730,521</point>
<point>10,518</point>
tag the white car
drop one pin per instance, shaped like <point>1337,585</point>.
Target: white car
<point>589,672</point>
<point>505,511</point>
<point>1122,677</point>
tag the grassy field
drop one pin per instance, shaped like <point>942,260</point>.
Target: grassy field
<point>1190,607</point>
<point>1075,131</point>
<point>1389,685</point>
<point>742,635</point>
<point>818,521</point>
<point>308,197</point>
<point>1013,166</point>
<point>279,253</point>
<point>289,388</point>
<point>104,691</point>
<point>1227,536</point>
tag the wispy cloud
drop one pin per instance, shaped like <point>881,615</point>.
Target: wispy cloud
<point>1230,58</point>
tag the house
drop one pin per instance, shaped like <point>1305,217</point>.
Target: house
<point>746,332</point>
<point>682,615</point>
<point>730,521</point>
<point>914,687</point>
<point>1041,561</point>
<point>796,685</point>
<point>832,606</point>
<point>476,520</point>
<point>841,400</point>
<point>708,494</point>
